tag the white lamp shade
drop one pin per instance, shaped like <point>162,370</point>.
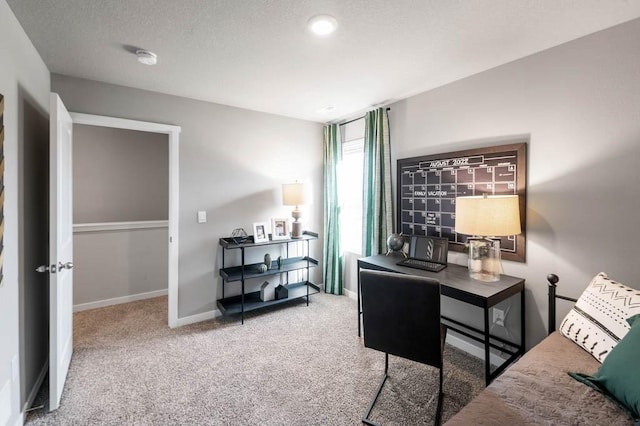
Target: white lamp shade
<point>293,194</point>
<point>489,216</point>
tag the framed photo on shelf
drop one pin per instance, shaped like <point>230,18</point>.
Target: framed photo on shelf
<point>280,229</point>
<point>260,233</point>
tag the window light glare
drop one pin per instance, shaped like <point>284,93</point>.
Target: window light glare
<point>322,25</point>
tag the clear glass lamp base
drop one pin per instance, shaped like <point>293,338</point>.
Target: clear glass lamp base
<point>484,259</point>
<point>486,277</point>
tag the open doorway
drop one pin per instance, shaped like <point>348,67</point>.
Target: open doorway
<point>120,215</point>
<point>171,135</point>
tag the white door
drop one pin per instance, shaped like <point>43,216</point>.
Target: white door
<point>60,249</point>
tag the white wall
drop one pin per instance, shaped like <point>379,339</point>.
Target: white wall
<point>579,106</point>
<point>23,79</point>
<point>232,164</point>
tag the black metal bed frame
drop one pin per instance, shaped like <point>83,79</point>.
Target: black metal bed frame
<point>553,281</point>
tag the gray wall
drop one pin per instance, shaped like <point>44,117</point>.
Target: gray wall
<point>579,106</point>
<point>232,165</point>
<point>24,82</point>
<point>119,175</point>
<point>113,264</point>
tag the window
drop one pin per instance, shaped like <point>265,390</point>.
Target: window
<point>350,186</point>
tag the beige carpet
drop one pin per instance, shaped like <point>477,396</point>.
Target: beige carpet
<point>291,365</point>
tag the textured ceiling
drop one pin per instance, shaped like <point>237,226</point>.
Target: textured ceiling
<point>258,54</point>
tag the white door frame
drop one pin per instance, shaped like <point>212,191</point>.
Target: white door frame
<point>174,207</point>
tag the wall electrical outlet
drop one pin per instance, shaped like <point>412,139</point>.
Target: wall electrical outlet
<point>498,316</point>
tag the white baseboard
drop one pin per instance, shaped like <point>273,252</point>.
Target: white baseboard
<point>472,349</point>
<point>36,387</point>
<point>119,300</point>
<point>350,294</point>
<point>204,316</point>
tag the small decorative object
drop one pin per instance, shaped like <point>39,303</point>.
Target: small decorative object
<point>279,262</point>
<point>395,242</point>
<point>280,229</point>
<point>262,268</point>
<point>267,260</point>
<point>239,235</point>
<point>260,234</point>
<point>293,194</point>
<point>281,292</point>
<point>267,292</point>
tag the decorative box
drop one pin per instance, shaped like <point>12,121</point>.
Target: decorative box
<point>267,292</point>
<point>281,292</point>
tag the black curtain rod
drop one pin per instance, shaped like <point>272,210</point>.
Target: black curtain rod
<point>358,118</point>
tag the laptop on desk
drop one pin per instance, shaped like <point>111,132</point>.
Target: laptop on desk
<point>427,253</point>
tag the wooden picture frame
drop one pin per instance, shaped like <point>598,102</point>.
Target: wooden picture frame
<point>260,232</point>
<point>427,187</point>
<point>280,228</point>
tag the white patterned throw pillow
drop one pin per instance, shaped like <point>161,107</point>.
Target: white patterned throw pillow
<point>598,321</point>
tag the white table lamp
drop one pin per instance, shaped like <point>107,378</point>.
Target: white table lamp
<point>483,217</point>
<point>293,194</point>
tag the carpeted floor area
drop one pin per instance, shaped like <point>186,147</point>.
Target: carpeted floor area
<point>292,365</point>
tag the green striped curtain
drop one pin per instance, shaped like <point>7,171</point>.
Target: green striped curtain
<point>377,204</point>
<point>332,252</point>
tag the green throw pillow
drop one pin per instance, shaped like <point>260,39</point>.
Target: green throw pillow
<point>618,377</point>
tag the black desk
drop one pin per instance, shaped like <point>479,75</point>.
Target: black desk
<point>456,283</point>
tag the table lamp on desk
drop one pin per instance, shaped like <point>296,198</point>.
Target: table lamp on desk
<point>485,217</point>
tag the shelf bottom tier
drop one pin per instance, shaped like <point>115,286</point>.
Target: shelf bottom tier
<point>233,305</point>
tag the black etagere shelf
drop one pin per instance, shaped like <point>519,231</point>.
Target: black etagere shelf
<point>245,302</point>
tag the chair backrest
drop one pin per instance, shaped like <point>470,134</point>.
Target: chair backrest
<point>401,315</point>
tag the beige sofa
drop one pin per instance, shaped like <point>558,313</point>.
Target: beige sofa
<point>537,390</point>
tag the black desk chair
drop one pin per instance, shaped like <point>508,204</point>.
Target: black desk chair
<point>401,316</point>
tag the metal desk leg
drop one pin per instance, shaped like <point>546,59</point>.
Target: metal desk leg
<point>523,341</point>
<point>359,309</point>
<point>487,347</point>
<point>242,293</point>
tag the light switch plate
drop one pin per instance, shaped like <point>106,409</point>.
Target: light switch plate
<point>202,216</point>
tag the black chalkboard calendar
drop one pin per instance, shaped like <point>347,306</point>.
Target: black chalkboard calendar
<point>428,187</point>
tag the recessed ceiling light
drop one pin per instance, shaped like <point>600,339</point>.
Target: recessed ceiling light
<point>322,24</point>
<point>146,57</point>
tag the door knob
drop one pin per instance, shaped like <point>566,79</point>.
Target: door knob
<point>47,268</point>
<point>68,265</point>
